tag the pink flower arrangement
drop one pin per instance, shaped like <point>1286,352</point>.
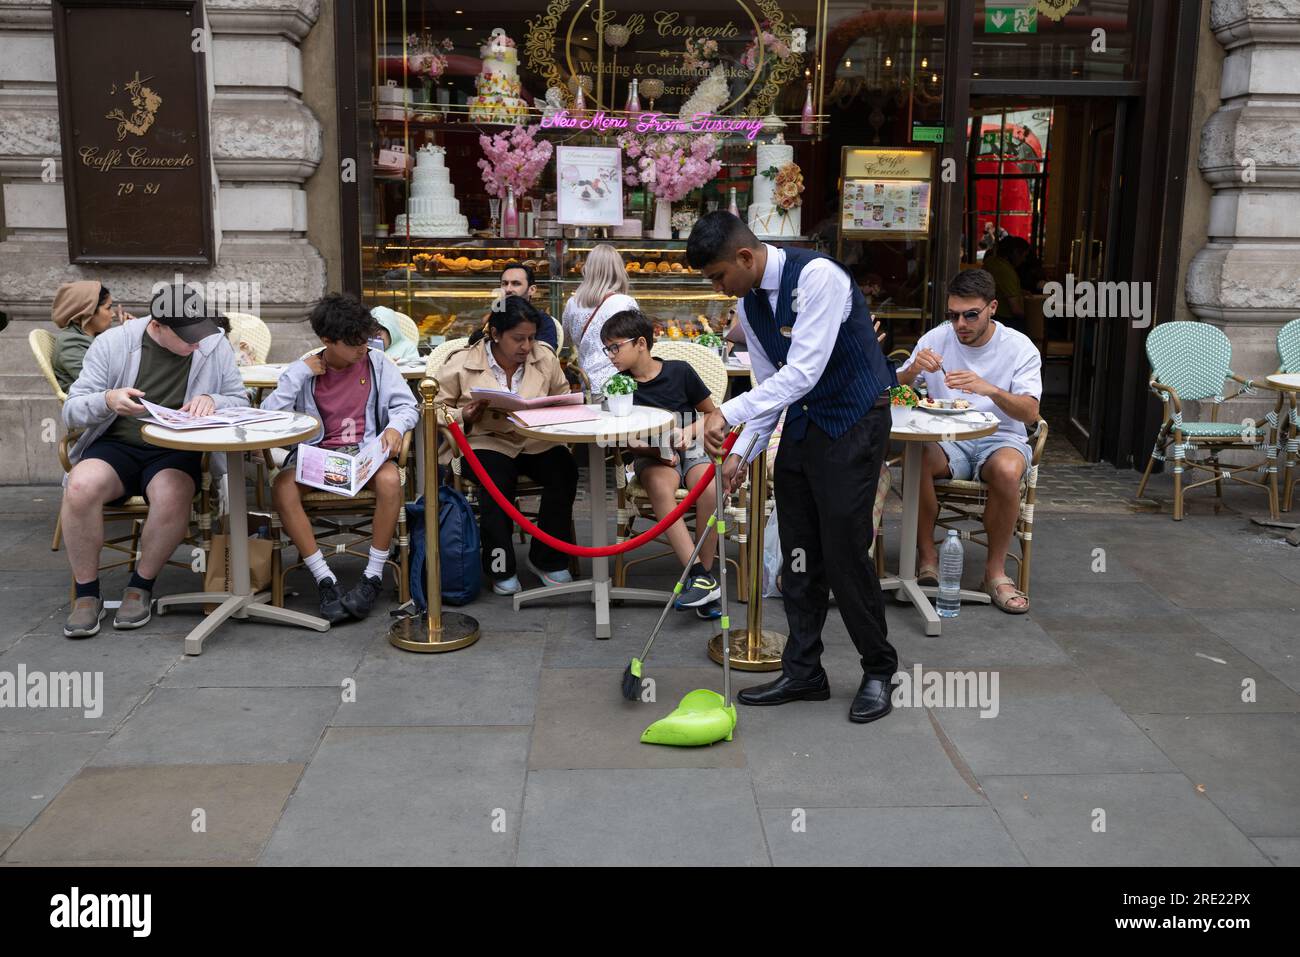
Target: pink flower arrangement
<point>424,57</point>
<point>699,54</point>
<point>515,160</point>
<point>789,187</point>
<point>775,45</point>
<point>672,165</point>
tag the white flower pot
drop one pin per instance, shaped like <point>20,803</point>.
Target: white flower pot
<point>663,220</point>
<point>619,405</point>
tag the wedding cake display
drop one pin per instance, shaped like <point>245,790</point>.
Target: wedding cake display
<point>778,185</point>
<point>432,209</point>
<point>498,99</point>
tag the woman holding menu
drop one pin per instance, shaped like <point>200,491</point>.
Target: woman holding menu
<point>506,355</point>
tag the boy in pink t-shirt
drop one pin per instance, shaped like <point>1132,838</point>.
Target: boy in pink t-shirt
<point>357,393</point>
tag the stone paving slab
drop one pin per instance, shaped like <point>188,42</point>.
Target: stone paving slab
<point>1282,851</point>
<point>406,796</point>
<point>1246,762</point>
<point>147,814</point>
<point>130,664</point>
<point>493,682</point>
<point>1267,637</point>
<point>1051,719</point>
<point>808,754</point>
<point>1176,674</point>
<point>622,818</point>
<point>583,720</point>
<point>36,766</point>
<point>223,726</point>
<point>1150,820</point>
<point>889,837</point>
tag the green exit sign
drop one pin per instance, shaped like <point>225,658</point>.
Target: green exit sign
<point>927,134</point>
<point>1010,19</point>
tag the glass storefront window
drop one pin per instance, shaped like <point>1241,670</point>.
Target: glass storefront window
<point>432,76</point>
<point>1091,40</point>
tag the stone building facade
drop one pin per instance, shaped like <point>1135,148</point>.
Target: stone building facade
<point>272,78</point>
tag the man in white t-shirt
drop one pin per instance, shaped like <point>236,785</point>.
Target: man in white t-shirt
<point>974,357</point>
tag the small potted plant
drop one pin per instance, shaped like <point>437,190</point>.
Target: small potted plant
<point>618,394</point>
<point>714,341</point>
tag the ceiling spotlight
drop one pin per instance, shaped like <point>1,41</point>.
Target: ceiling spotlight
<point>925,63</point>
<point>889,61</point>
<point>848,64</point>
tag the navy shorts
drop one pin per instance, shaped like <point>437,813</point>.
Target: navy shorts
<point>136,466</point>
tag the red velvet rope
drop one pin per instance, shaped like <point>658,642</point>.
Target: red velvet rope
<point>582,551</point>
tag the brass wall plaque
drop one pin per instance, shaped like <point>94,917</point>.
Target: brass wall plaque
<point>133,114</point>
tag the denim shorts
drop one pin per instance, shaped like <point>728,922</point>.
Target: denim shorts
<point>693,456</point>
<point>966,459</point>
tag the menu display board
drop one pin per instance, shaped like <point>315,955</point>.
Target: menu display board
<point>133,110</point>
<point>886,193</point>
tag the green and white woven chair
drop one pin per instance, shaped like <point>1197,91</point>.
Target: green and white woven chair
<point>1190,361</point>
<point>1286,418</point>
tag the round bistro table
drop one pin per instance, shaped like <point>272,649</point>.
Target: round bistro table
<point>914,427</point>
<point>239,601</point>
<point>599,434</point>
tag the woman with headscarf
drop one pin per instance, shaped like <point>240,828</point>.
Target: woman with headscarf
<point>397,345</point>
<point>82,310</point>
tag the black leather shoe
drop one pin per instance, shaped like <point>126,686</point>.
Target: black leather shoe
<point>362,597</point>
<point>785,689</point>
<point>872,701</point>
<point>331,608</point>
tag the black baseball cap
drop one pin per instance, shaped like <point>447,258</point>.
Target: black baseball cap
<point>183,309</point>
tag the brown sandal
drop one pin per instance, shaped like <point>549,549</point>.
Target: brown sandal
<point>928,575</point>
<point>1003,601</point>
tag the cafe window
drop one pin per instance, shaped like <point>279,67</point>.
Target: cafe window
<point>447,96</point>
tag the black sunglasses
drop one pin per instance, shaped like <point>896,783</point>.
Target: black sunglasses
<point>970,315</point>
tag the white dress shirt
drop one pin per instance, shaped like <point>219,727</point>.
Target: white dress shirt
<point>824,302</point>
<point>509,384</point>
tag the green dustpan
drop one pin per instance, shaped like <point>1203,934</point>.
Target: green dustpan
<point>702,717</point>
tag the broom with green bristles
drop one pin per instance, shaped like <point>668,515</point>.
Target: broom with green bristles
<point>632,674</point>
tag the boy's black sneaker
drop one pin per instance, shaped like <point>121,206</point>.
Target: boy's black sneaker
<point>331,608</point>
<point>700,590</point>
<point>362,597</point>
<point>710,612</point>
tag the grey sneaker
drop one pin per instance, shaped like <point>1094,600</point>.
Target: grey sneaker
<point>83,621</point>
<point>136,609</point>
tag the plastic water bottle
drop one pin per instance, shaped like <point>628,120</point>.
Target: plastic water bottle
<point>950,562</point>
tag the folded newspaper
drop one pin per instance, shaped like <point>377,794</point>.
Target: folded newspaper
<point>336,471</point>
<point>220,419</point>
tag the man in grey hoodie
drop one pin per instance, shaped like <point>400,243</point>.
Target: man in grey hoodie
<point>180,359</point>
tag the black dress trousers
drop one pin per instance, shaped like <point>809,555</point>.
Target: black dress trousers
<point>557,473</point>
<point>825,489</point>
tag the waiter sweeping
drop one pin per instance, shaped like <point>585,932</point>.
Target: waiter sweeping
<point>814,355</point>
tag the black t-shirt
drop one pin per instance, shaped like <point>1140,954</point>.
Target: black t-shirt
<point>677,388</point>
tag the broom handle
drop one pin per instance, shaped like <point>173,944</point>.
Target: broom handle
<point>681,579</point>
<point>722,578</point>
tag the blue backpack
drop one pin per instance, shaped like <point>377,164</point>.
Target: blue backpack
<point>458,543</point>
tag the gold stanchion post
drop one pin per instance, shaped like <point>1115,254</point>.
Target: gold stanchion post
<point>753,648</point>
<point>436,631</point>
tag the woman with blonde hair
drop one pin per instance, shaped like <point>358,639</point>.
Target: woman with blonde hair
<point>604,291</point>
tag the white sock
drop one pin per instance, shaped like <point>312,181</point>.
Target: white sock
<point>316,565</point>
<point>375,567</point>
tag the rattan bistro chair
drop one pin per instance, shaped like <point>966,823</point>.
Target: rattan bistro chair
<point>133,510</point>
<point>961,504</point>
<point>1190,361</point>
<point>1285,419</point>
<point>633,503</point>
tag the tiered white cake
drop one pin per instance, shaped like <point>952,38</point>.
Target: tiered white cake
<point>765,217</point>
<point>498,99</point>
<point>432,208</point>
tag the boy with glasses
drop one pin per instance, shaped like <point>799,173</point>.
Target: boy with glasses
<point>673,385</point>
<point>997,369</point>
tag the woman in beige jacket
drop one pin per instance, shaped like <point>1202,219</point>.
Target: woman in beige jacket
<point>506,355</point>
